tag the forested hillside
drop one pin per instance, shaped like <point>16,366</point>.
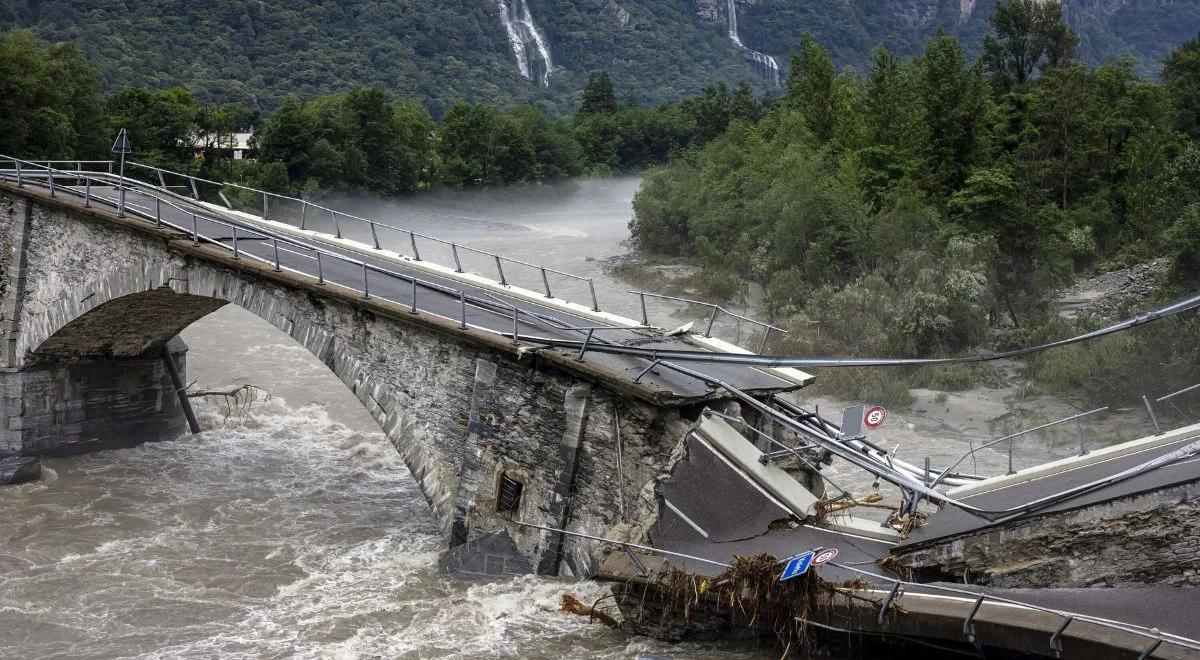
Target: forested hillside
<point>930,205</point>
<point>430,50</point>
<point>438,52</point>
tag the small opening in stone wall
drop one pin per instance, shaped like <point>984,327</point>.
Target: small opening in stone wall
<point>509,499</point>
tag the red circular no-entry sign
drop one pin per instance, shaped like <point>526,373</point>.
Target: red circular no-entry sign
<point>874,417</point>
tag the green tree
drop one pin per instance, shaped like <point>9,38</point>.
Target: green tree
<point>50,105</point>
<point>742,105</point>
<point>812,88</point>
<point>163,124</point>
<point>598,96</point>
<point>286,137</point>
<point>954,113</point>
<point>1028,35</point>
<point>1181,75</point>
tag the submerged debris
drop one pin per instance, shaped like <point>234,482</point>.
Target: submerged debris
<point>572,605</point>
<point>751,596</point>
<point>238,400</point>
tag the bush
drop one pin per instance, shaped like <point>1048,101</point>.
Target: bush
<point>885,387</point>
<point>948,377</point>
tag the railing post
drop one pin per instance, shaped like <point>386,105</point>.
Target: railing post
<point>412,238</point>
<point>892,596</point>
<point>374,236</point>
<point>275,247</point>
<point>592,289</point>
<point>337,226</point>
<point>712,318</point>
<point>195,231</point>
<point>414,297</point>
<point>20,184</point>
<point>645,317</point>
<point>303,213</point>
<point>87,192</point>
<point>50,176</point>
<point>320,270</point>
<point>196,191</point>
<point>235,245</point>
<point>583,349</point>
<point>1010,455</point>
<point>457,263</point>
<point>1056,638</point>
<point>762,348</point>
<point>1079,434</point>
<point>500,270</point>
<point>546,281</point>
<point>462,304</point>
<point>1153,418</point>
<point>516,326</point>
<point>158,211</point>
<point>969,622</point>
<point>162,183</point>
<point>266,207</point>
<point>366,283</point>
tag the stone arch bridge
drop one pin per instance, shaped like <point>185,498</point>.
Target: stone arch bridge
<point>94,288</point>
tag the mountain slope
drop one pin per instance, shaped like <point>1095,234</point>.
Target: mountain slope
<point>442,50</point>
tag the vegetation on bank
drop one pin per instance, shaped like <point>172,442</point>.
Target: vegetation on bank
<point>930,205</point>
<point>52,105</point>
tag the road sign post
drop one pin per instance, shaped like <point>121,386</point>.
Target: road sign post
<point>121,146</point>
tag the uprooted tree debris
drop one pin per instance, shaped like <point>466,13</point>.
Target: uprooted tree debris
<point>238,400</point>
<point>748,596</point>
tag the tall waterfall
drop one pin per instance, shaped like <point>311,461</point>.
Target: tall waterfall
<point>533,56</point>
<point>766,65</point>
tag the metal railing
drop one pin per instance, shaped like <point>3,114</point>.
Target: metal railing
<point>336,218</point>
<point>30,173</point>
<point>1010,438</point>
<point>304,210</point>
<point>716,310</point>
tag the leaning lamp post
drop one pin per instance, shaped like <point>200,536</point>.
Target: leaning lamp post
<point>121,146</point>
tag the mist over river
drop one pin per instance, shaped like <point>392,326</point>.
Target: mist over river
<point>295,530</point>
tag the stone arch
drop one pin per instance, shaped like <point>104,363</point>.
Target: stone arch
<point>131,311</point>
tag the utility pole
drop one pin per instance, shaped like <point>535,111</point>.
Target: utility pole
<point>121,146</point>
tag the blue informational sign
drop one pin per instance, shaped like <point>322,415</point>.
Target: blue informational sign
<point>800,564</point>
<point>797,565</point>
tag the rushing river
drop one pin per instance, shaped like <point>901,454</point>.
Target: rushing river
<point>294,530</point>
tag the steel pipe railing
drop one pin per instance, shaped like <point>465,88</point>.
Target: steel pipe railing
<point>373,226</point>
<point>716,310</point>
<point>240,232</point>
